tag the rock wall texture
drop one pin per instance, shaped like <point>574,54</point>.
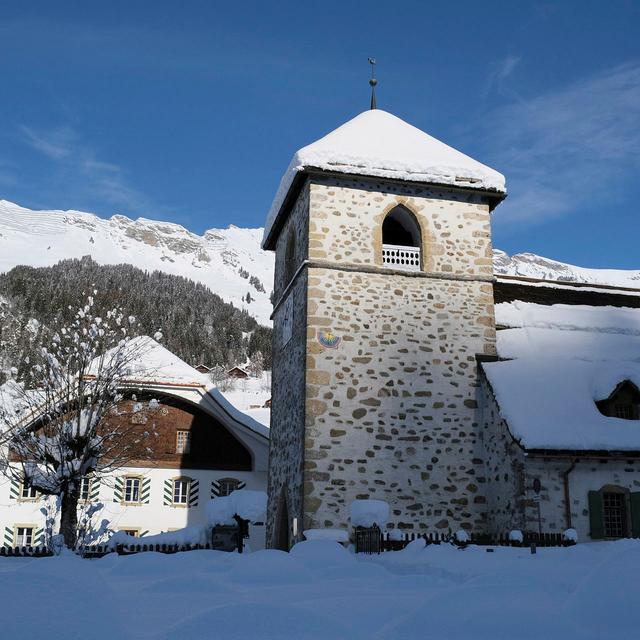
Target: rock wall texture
<point>288,376</point>
<point>504,461</point>
<point>392,410</point>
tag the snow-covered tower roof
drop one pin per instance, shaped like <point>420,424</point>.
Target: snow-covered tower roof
<point>378,144</point>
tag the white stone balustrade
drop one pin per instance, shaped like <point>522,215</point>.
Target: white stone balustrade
<point>398,257</point>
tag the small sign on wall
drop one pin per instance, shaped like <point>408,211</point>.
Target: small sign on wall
<point>287,321</point>
<point>328,339</point>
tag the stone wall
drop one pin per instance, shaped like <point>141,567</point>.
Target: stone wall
<point>288,376</point>
<point>296,230</point>
<point>504,460</point>
<point>392,410</point>
<point>346,216</point>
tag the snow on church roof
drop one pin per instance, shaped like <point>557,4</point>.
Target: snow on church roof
<point>551,403</point>
<point>565,358</point>
<point>377,143</point>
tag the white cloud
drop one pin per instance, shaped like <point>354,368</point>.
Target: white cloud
<point>55,144</point>
<point>500,71</point>
<point>77,171</point>
<point>567,148</point>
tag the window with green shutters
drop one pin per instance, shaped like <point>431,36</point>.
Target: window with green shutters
<point>614,513</point>
<point>181,491</point>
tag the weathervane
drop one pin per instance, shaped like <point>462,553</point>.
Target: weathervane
<point>373,82</point>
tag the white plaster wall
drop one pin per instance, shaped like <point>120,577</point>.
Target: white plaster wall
<point>154,517</point>
<point>588,475</point>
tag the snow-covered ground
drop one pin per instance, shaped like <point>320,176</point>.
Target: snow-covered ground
<point>319,590</point>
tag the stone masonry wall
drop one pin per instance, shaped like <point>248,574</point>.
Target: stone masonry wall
<point>504,459</point>
<point>288,378</point>
<point>392,411</point>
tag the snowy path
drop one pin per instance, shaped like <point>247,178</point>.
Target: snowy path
<point>320,591</point>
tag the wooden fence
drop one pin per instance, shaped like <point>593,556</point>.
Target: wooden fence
<point>26,552</point>
<point>100,550</point>
<point>372,540</point>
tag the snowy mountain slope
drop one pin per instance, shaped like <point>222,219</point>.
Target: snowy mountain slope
<point>533,266</point>
<point>43,238</point>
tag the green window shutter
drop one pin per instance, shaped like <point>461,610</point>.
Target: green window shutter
<point>94,490</point>
<point>118,489</point>
<point>168,493</point>
<point>38,537</point>
<point>634,498</point>
<point>595,515</point>
<point>145,495</point>
<point>194,490</point>
<point>8,536</point>
<point>16,488</point>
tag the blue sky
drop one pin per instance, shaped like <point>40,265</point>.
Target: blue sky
<point>190,111</point>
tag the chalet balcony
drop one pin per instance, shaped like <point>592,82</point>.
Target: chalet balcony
<point>399,257</point>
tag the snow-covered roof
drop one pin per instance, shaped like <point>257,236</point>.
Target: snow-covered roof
<point>565,358</point>
<point>550,403</point>
<point>151,361</point>
<point>568,331</point>
<point>379,144</point>
<point>155,365</point>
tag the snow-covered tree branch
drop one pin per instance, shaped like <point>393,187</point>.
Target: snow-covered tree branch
<point>68,425</point>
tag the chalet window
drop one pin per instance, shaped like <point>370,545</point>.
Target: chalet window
<point>183,442</point>
<point>23,536</point>
<point>624,411</point>
<point>614,515</point>
<point>135,533</point>
<point>181,490</point>
<point>228,486</point>
<point>28,492</point>
<point>623,403</point>
<point>614,512</point>
<point>132,490</point>
<point>401,240</point>
<point>85,488</point>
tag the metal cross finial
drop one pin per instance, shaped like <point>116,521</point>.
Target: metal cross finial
<point>373,82</point>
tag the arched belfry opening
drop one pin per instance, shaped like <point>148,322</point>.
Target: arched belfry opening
<point>401,240</point>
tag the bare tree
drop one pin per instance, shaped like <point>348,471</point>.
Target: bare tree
<point>256,365</point>
<point>67,427</point>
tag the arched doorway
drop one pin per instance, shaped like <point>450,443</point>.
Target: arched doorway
<point>283,541</point>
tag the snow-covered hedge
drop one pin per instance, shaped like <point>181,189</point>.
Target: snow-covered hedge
<point>335,535</point>
<point>516,536</point>
<point>366,513</point>
<point>462,536</point>
<point>249,505</point>
<point>192,535</point>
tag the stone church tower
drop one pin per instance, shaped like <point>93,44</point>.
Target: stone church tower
<point>383,304</point>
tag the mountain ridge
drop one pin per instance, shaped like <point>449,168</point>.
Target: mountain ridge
<point>228,261</point>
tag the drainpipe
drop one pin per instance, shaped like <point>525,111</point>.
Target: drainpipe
<point>567,495</point>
